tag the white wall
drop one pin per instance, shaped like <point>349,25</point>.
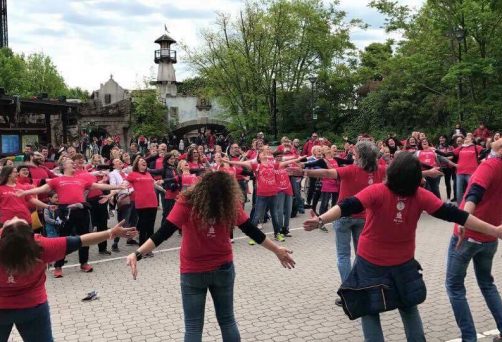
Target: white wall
<point>187,109</point>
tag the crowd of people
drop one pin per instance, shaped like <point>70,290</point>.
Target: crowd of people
<point>373,190</point>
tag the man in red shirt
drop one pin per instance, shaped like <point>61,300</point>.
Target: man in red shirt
<point>313,141</point>
<point>484,194</point>
<point>481,132</point>
<point>70,189</point>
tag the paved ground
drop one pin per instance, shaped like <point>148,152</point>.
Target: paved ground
<point>271,304</point>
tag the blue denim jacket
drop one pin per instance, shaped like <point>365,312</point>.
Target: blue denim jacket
<point>371,289</point>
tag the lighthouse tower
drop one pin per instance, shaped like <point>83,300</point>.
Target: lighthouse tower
<point>165,57</point>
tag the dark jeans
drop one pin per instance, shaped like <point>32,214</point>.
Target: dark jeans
<point>325,196</point>
<point>448,177</point>
<point>146,223</point>
<point>124,213</point>
<point>262,204</point>
<point>432,184</point>
<point>33,324</point>
<point>458,261</point>
<point>78,224</point>
<point>298,207</point>
<point>99,219</point>
<point>220,284</point>
<point>166,209</point>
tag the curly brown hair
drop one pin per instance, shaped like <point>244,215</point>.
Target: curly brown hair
<point>215,199</point>
<point>19,252</point>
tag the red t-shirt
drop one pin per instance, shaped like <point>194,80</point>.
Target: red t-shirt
<point>428,157</point>
<point>11,205</point>
<point>144,190</point>
<point>266,185</point>
<point>173,194</point>
<point>188,180</point>
<point>331,184</point>
<point>230,170</point>
<point>238,169</point>
<point>489,176</point>
<point>159,164</point>
<point>38,173</point>
<point>388,236</point>
<point>93,193</point>
<point>28,291</point>
<point>70,189</point>
<point>467,161</point>
<point>283,182</point>
<point>354,179</point>
<point>204,247</point>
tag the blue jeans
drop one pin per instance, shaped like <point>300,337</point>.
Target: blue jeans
<point>462,181</point>
<point>372,329</point>
<point>220,283</point>
<point>283,211</point>
<point>33,324</point>
<point>457,264</point>
<point>346,228</point>
<point>296,184</point>
<point>262,203</point>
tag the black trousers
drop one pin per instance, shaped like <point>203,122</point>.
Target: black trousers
<point>325,196</point>
<point>449,176</point>
<point>78,224</point>
<point>146,223</point>
<point>99,218</point>
<point>313,192</point>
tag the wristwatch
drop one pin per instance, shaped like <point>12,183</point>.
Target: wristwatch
<point>321,222</point>
<point>139,256</point>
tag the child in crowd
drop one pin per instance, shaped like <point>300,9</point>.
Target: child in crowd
<point>51,218</point>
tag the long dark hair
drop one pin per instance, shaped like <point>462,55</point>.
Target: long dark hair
<point>19,252</point>
<point>404,174</point>
<point>215,198</point>
<point>5,173</point>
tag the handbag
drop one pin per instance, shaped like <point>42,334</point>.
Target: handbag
<point>36,223</point>
<point>123,200</point>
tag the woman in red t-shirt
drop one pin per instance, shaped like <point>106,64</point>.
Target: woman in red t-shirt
<point>10,204</point>
<point>23,262</point>
<point>386,247</point>
<point>145,199</point>
<point>206,214</point>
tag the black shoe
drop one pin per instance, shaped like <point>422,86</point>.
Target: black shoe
<point>132,242</point>
<point>105,252</point>
<point>338,302</point>
<point>115,248</point>
<point>307,206</point>
<point>286,233</point>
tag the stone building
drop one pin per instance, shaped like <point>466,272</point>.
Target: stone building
<point>186,113</point>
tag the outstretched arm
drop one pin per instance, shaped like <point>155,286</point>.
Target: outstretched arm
<point>35,191</point>
<point>247,164</point>
<point>324,173</point>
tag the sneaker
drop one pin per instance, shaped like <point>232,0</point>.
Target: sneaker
<point>58,272</point>
<point>251,242</point>
<point>301,211</point>
<point>132,242</point>
<point>86,268</point>
<point>260,226</point>
<point>105,252</point>
<point>324,229</point>
<point>279,237</point>
<point>149,255</point>
<point>338,302</point>
<point>286,233</point>
<point>115,248</point>
<point>307,206</point>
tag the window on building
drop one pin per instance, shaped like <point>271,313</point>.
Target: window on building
<point>173,112</point>
<point>108,98</point>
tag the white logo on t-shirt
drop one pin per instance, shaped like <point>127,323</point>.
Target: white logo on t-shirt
<point>211,232</point>
<point>400,207</point>
<point>11,280</point>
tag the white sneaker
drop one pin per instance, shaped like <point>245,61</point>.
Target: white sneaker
<point>260,226</point>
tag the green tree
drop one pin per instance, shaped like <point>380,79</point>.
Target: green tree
<point>149,114</point>
<point>272,42</point>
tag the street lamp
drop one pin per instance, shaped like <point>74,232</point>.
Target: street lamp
<point>313,117</point>
<point>459,34</point>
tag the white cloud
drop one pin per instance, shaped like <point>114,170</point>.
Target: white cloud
<point>91,39</point>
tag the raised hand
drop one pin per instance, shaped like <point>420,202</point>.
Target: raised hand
<point>312,223</point>
<point>119,231</point>
<point>283,254</point>
<point>132,262</point>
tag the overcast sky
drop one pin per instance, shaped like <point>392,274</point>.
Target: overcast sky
<point>91,39</point>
